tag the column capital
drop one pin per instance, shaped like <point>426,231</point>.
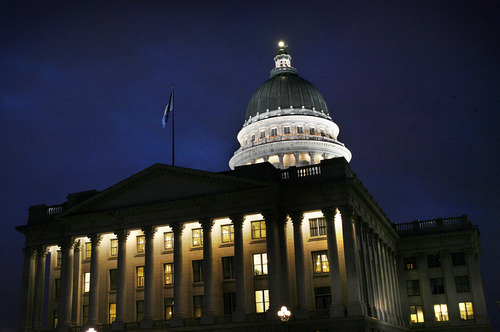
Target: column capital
<point>347,212</point>
<point>177,227</point>
<point>237,220</point>
<point>296,217</point>
<point>95,239</point>
<point>122,234</point>
<point>282,219</point>
<point>42,251</point>
<point>270,215</point>
<point>149,231</point>
<point>67,243</point>
<point>329,213</point>
<point>206,224</point>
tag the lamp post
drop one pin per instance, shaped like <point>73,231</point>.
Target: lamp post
<point>284,314</point>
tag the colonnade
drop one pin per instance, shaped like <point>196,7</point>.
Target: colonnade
<point>369,286</point>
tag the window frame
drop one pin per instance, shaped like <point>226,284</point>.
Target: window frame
<point>88,250</point>
<point>323,257</point>
<point>86,282</point>
<point>141,244</point>
<point>260,231</point>
<point>168,276</point>
<point>441,315</point>
<point>113,252</point>
<point>317,227</point>
<point>139,273</point>
<point>197,270</point>
<point>465,313</point>
<point>112,312</point>
<point>230,231</point>
<point>113,285</point>
<point>262,264</point>
<point>410,263</point>
<point>198,237</point>
<point>168,240</point>
<point>417,314</point>
<point>197,306</point>
<point>168,302</point>
<point>228,271</point>
<point>264,294</point>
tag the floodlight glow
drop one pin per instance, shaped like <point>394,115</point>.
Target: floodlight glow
<point>281,44</point>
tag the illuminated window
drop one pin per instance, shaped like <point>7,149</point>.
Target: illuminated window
<point>197,237</point>
<point>141,240</point>
<point>168,240</point>
<point>261,300</point>
<point>57,287</point>
<point>86,282</point>
<point>227,232</point>
<point>323,298</point>
<point>262,134</point>
<point>317,226</point>
<point>320,261</point>
<point>286,130</point>
<point>140,276</point>
<point>300,130</point>
<point>112,280</point>
<point>139,310</point>
<point>437,286</point>
<point>112,312</point>
<point>228,267</point>
<point>85,314</point>
<point>466,312</point>
<point>198,270</point>
<point>258,229</point>
<point>197,305</point>
<point>274,131</point>
<point>416,314</point>
<point>457,258</point>
<point>413,287</point>
<point>88,250</point>
<point>441,312</point>
<point>168,269</point>
<point>229,300</point>
<point>59,258</point>
<point>410,263</point>
<point>260,264</point>
<point>462,284</point>
<point>168,308</point>
<point>114,247</point>
<point>433,260</point>
<point>312,131</point>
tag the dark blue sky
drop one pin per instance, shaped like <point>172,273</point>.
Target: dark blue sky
<point>413,86</point>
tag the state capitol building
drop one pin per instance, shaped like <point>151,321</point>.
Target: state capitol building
<point>291,224</point>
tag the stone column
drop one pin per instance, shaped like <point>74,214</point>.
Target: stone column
<point>389,287</point>
<point>302,311</point>
<point>336,308</point>
<point>297,159</point>
<point>28,285</point>
<point>378,286</point>
<point>95,239</point>
<point>397,293</point>
<point>366,272</point>
<point>149,272</point>
<point>178,316</point>
<point>311,155</point>
<point>354,305</point>
<point>449,281</point>
<point>239,260</point>
<point>283,254</point>
<point>121,282</point>
<point>41,254</point>
<point>207,316</point>
<point>280,156</point>
<point>472,258</point>
<point>273,263</point>
<point>383,278</point>
<point>66,291</point>
<point>77,276</point>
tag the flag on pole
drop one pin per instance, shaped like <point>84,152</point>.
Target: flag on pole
<point>169,108</point>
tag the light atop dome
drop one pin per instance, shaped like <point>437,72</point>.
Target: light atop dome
<point>281,44</point>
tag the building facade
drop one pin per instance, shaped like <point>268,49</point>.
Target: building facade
<point>290,225</point>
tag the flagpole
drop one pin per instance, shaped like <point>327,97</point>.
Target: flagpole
<point>173,128</point>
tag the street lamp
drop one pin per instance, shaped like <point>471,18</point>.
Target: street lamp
<point>91,330</point>
<point>284,314</point>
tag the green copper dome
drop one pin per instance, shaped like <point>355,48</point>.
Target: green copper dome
<point>285,89</point>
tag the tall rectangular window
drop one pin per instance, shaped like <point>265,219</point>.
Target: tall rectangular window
<point>114,247</point>
<point>462,284</point>
<point>57,287</point>
<point>252,137</point>
<point>139,310</point>
<point>433,260</point>
<point>228,267</point>
<point>274,131</point>
<point>112,279</point>
<point>168,308</point>
<point>197,305</point>
<point>441,312</point>
<point>457,258</point>
<point>262,134</point>
<point>260,264</point>
<point>168,269</point>
<point>261,300</point>
<point>437,286</point>
<point>258,229</point>
<point>229,303</point>
<point>141,240</point>
<point>168,240</point>
<point>227,232</point>
<point>112,312</point>
<point>140,276</point>
<point>198,270</point>
<point>286,130</point>
<point>88,250</point>
<point>317,226</point>
<point>323,300</point>
<point>413,287</point>
<point>86,282</point>
<point>59,258</point>
<point>416,314</point>
<point>85,314</point>
<point>466,312</point>
<point>312,131</point>
<point>197,237</point>
<point>320,261</point>
<point>410,263</point>
<point>300,130</point>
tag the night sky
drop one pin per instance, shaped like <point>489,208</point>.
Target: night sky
<point>413,86</point>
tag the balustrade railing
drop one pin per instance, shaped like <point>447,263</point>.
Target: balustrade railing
<point>422,226</point>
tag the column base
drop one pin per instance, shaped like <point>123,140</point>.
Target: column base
<point>177,320</point>
<point>356,309</point>
<point>239,316</point>
<point>146,323</point>
<point>302,313</point>
<point>117,326</point>
<point>337,311</point>
<point>207,318</point>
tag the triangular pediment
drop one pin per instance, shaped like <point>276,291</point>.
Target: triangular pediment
<point>162,183</point>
